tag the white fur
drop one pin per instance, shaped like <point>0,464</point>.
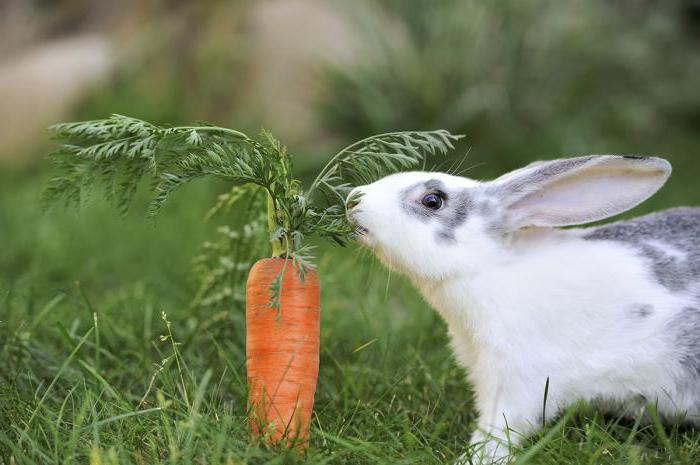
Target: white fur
<point>531,304</point>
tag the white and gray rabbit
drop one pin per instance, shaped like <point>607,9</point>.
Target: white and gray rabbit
<point>608,314</point>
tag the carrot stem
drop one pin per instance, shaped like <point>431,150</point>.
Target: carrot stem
<point>272,225</point>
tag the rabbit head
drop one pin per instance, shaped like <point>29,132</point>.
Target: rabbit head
<point>433,225</point>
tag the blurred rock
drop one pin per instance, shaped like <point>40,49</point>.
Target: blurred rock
<point>39,86</point>
<point>290,40</point>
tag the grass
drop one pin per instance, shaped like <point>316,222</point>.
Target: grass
<point>104,361</point>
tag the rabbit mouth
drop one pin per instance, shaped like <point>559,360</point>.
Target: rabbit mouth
<point>363,237</point>
<point>359,229</point>
<point>360,232</point>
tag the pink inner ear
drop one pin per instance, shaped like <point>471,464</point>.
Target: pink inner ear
<point>587,195</point>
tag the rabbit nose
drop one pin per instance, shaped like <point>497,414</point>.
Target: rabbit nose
<point>353,199</point>
<point>352,203</point>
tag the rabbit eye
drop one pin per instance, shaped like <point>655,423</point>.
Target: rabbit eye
<point>432,201</point>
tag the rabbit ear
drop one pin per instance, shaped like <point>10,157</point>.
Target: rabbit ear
<point>578,190</point>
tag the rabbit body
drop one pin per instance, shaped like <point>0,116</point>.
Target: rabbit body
<point>583,310</point>
<point>608,314</point>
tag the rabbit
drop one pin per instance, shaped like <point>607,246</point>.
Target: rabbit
<point>607,314</point>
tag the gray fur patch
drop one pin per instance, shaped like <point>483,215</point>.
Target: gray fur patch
<point>417,211</point>
<point>456,213</point>
<point>685,328</point>
<point>434,184</point>
<point>413,208</point>
<point>458,205</point>
<point>668,240</point>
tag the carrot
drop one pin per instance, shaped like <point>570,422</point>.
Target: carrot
<point>282,352</point>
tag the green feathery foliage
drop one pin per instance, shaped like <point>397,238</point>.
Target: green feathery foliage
<point>119,152</point>
<point>377,156</point>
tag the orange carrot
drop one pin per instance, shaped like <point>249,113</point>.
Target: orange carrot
<point>282,350</point>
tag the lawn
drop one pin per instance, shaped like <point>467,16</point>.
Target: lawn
<point>103,358</point>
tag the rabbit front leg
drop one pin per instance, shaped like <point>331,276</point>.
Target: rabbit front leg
<point>506,418</point>
<point>491,444</point>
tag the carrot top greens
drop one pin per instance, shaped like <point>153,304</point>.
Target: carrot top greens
<point>119,152</point>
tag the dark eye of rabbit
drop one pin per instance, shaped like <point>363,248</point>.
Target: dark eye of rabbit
<point>432,201</point>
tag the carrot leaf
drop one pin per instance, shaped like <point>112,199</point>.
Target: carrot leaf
<point>119,152</point>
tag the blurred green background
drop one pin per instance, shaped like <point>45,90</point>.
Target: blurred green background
<point>524,80</point>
